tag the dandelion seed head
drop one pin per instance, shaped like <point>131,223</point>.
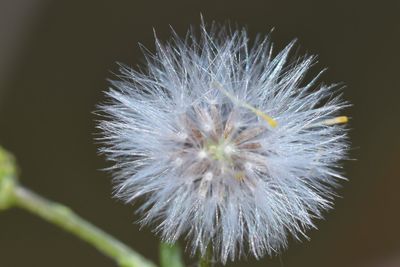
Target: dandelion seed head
<point>227,143</point>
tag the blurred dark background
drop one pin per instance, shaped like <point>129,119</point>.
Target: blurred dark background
<point>55,57</point>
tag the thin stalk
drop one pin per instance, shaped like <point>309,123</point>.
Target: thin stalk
<point>206,259</point>
<point>65,218</point>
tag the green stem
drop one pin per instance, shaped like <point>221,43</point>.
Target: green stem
<point>170,255</point>
<point>65,218</point>
<point>206,259</point>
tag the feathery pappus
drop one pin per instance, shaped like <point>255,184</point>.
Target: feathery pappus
<point>225,142</point>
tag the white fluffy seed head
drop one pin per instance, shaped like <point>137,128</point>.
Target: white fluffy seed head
<point>227,144</point>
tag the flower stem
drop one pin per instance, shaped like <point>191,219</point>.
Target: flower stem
<point>206,259</point>
<point>170,255</point>
<point>65,218</point>
<point>12,194</point>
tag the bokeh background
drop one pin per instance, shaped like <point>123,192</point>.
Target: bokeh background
<point>55,57</point>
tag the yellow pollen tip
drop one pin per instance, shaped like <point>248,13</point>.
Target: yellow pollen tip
<point>337,120</point>
<point>239,176</point>
<point>273,123</point>
<point>267,118</point>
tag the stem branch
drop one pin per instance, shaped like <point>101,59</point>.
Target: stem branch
<point>65,218</point>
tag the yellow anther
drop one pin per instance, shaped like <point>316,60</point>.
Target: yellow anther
<point>336,120</point>
<point>239,176</point>
<point>273,123</point>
